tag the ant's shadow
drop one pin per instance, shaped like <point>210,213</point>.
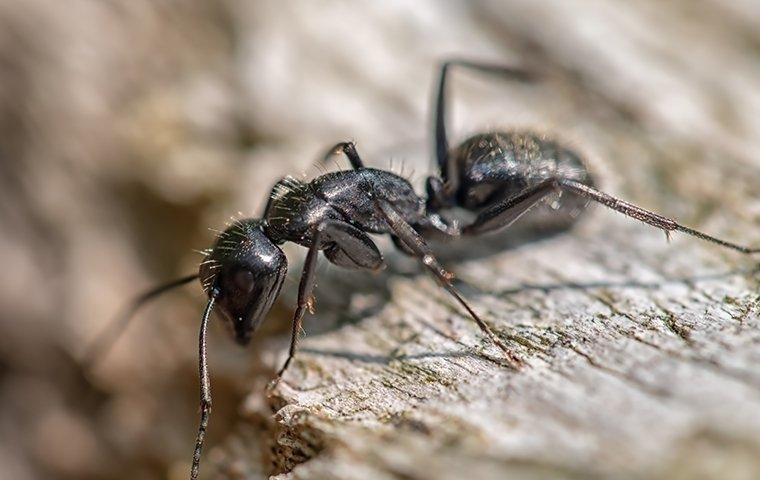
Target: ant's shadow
<point>346,297</point>
<point>337,287</point>
<point>525,287</point>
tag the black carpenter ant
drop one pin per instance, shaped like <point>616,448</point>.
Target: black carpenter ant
<point>499,176</point>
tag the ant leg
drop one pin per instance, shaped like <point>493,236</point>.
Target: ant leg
<point>305,289</point>
<point>349,150</point>
<point>416,244</point>
<point>506,212</point>
<point>106,339</point>
<point>205,383</point>
<point>645,216</point>
<point>449,172</point>
<point>350,248</point>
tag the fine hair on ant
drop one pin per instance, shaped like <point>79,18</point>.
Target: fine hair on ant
<point>499,176</point>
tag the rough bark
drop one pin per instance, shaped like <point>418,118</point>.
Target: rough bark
<point>641,356</point>
<point>639,364</point>
<point>127,129</point>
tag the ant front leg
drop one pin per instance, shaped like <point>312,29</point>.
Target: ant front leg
<point>305,289</point>
<point>416,245</point>
<point>346,246</point>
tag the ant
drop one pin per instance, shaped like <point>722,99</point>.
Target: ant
<point>498,176</point>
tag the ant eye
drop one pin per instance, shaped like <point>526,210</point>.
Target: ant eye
<point>244,280</point>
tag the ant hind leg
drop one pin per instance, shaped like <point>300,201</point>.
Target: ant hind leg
<point>447,170</point>
<point>506,212</point>
<point>646,216</point>
<point>349,150</point>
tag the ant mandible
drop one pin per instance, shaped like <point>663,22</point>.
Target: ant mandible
<point>499,176</point>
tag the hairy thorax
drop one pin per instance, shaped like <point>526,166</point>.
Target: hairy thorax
<point>296,207</point>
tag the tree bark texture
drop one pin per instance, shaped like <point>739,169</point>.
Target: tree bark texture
<point>127,129</point>
<point>641,355</point>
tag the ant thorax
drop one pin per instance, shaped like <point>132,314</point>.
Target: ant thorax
<point>294,210</point>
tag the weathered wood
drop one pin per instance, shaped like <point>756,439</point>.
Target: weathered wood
<point>127,129</point>
<point>641,356</point>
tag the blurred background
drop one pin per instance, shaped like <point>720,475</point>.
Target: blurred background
<point>128,129</point>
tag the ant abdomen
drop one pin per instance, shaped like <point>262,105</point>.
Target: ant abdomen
<point>497,165</point>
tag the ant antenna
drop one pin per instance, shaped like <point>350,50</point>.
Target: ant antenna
<point>106,339</point>
<point>205,384</point>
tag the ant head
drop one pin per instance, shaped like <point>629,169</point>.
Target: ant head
<point>245,270</point>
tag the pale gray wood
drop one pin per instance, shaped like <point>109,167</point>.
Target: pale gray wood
<point>127,129</point>
<point>641,356</point>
